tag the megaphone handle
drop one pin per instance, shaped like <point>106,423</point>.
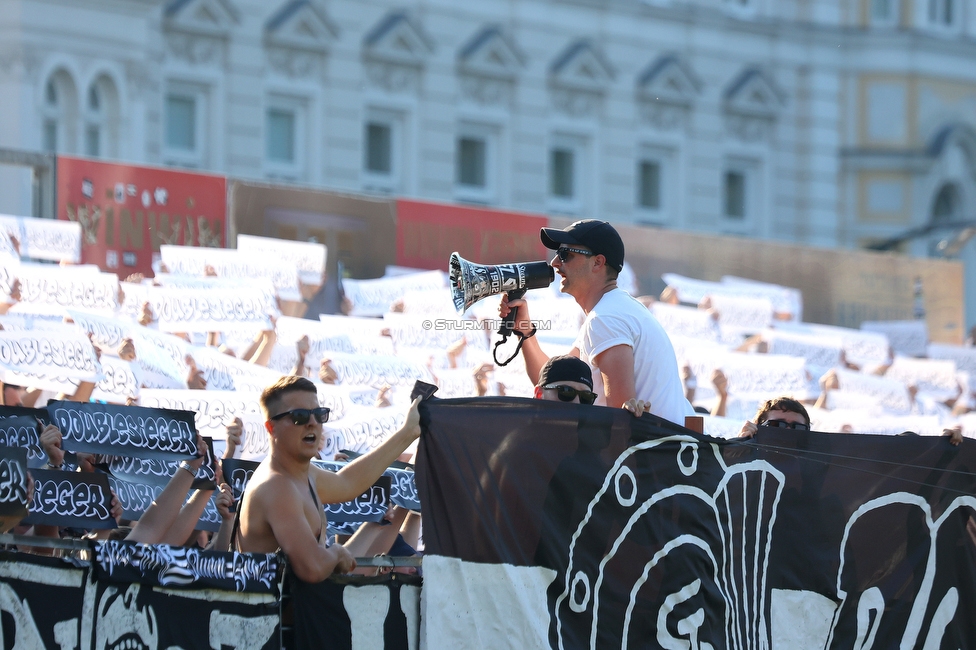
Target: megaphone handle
<point>508,325</point>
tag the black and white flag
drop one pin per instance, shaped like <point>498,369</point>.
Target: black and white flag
<point>570,526</point>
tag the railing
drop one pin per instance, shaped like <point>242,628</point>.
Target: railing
<point>72,544</point>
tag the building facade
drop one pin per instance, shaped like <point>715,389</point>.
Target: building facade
<point>838,123</point>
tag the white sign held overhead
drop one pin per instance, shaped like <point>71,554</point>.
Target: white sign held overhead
<point>50,359</point>
<point>374,297</point>
<point>210,310</point>
<point>309,257</point>
<point>192,260</point>
<point>68,286</point>
<point>44,239</point>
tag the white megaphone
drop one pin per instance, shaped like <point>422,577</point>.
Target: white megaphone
<point>471,282</point>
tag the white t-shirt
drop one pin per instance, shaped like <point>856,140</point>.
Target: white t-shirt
<point>618,319</point>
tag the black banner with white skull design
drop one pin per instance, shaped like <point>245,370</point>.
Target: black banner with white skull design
<point>51,603</point>
<point>640,531</point>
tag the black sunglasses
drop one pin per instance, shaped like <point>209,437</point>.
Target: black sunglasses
<point>563,252</point>
<point>568,394</point>
<point>783,424</point>
<point>302,416</point>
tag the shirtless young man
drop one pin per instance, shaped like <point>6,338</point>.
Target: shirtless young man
<point>282,507</point>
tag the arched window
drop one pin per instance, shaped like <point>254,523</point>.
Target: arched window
<point>946,205</point>
<point>59,113</point>
<point>101,118</point>
<point>946,209</point>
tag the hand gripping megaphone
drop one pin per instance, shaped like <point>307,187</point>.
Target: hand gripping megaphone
<point>471,282</point>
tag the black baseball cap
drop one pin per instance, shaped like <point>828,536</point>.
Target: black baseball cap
<point>565,368</point>
<point>599,236</point>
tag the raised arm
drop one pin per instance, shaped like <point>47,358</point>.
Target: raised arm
<point>353,479</point>
<point>532,352</point>
<point>186,521</point>
<point>159,517</point>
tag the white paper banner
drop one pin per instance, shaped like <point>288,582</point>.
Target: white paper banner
<point>377,371</point>
<point>45,239</point>
<point>690,290</point>
<point>374,297</point>
<point>748,315</point>
<point>9,270</point>
<point>224,372</point>
<point>427,303</point>
<point>322,340</point>
<point>68,286</point>
<point>890,393</point>
<point>964,357</point>
<point>121,381</point>
<point>820,352</point>
<point>309,257</point>
<point>21,322</point>
<point>192,260</point>
<point>786,300</point>
<point>160,358</point>
<point>686,321</point>
<point>213,409</point>
<point>753,374</point>
<point>364,333</point>
<point>106,332</point>
<point>362,430</point>
<point>436,334</point>
<point>52,359</point>
<point>937,377</point>
<point>457,382</point>
<point>863,349</point>
<point>908,337</point>
<point>719,427</point>
<point>210,310</point>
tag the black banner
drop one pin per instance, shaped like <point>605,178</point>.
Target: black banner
<point>371,505</point>
<point>177,566</point>
<point>50,603</point>
<point>794,539</point>
<point>379,612</point>
<point>125,430</point>
<point>73,499</point>
<point>13,482</point>
<point>21,431</point>
<point>17,411</point>
<point>135,498</point>
<point>41,601</point>
<point>403,483</point>
<point>158,472</point>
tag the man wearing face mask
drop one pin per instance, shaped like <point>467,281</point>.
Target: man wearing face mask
<point>619,336</point>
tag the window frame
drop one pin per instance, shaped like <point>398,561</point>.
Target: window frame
<point>577,144</point>
<point>665,159</point>
<point>200,95</point>
<point>490,135</point>
<point>374,181</point>
<point>752,200</point>
<point>296,169</point>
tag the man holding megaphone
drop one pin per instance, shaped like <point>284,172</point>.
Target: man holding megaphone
<point>619,337</point>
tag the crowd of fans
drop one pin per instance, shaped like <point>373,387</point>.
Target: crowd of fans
<point>738,347</point>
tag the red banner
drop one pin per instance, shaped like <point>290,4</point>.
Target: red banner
<point>427,234</point>
<point>127,211</point>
